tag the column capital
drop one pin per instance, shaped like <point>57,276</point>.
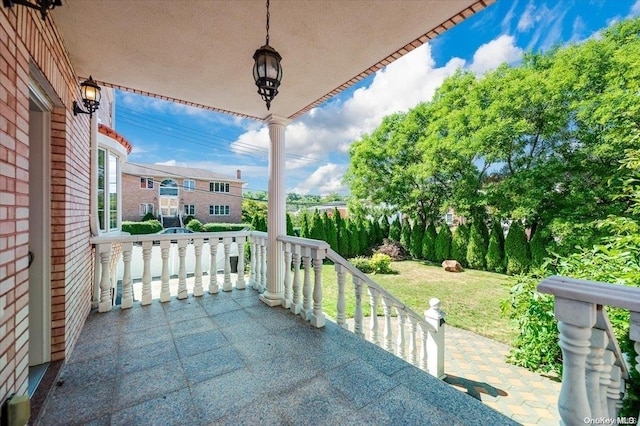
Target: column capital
<point>276,120</point>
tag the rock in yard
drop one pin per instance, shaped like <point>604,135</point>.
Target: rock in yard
<point>452,266</point>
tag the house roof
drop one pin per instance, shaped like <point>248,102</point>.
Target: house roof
<point>200,52</point>
<point>108,131</point>
<point>158,170</point>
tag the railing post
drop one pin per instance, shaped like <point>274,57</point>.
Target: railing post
<point>400,346</point>
<point>182,270</point>
<point>605,381</point>
<point>105,279</point>
<point>127,290</point>
<point>575,322</point>
<point>286,302</point>
<point>374,334</point>
<point>240,283</point>
<point>413,353</point>
<point>306,288</point>
<point>357,317</point>
<point>296,304</point>
<point>197,288</point>
<point>165,294</point>
<point>213,265</point>
<point>146,273</point>
<point>252,262</point>
<point>424,354</point>
<point>227,286</point>
<point>387,335</point>
<point>264,266</point>
<point>435,339</point>
<point>341,306</point>
<point>613,392</point>
<point>594,370</point>
<point>317,318</point>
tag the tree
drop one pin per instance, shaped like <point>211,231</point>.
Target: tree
<point>405,235</point>
<point>395,230</point>
<point>354,238</point>
<point>330,232</point>
<point>516,250</point>
<point>338,224</point>
<point>344,237</point>
<point>363,237</point>
<point>317,231</point>
<point>305,225</point>
<point>429,243</point>
<point>417,234</point>
<point>290,230</point>
<point>538,245</point>
<point>495,252</point>
<point>443,243</point>
<point>384,226</point>
<point>252,209</point>
<point>459,244</point>
<point>476,250</point>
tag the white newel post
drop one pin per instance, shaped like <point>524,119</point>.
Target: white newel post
<point>435,339</point>
<point>105,281</point>
<point>127,289</point>
<point>575,322</point>
<point>276,218</point>
<point>165,294</point>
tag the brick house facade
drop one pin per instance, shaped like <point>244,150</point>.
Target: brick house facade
<point>174,191</point>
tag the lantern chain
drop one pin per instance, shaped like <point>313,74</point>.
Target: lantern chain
<point>268,15</point>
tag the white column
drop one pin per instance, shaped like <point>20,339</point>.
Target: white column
<point>276,219</point>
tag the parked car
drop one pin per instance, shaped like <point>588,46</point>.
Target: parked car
<point>176,230</point>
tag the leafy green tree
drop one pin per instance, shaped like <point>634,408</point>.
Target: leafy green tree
<point>417,234</point>
<point>405,235</point>
<point>516,250</point>
<point>443,243</point>
<point>252,208</point>
<point>395,230</point>
<point>476,250</point>
<point>459,244</point>
<point>343,239</point>
<point>495,252</point>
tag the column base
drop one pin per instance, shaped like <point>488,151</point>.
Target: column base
<point>270,302</point>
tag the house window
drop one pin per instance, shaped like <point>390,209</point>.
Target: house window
<point>108,190</point>
<point>169,187</point>
<point>218,187</point>
<point>145,208</point>
<point>449,218</point>
<point>219,210</point>
<point>190,209</point>
<point>189,185</point>
<point>146,183</point>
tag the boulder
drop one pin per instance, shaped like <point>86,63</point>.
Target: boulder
<point>452,266</point>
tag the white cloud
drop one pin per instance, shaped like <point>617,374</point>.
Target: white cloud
<point>490,55</point>
<point>171,163</point>
<point>528,18</point>
<point>325,180</point>
<point>635,9</point>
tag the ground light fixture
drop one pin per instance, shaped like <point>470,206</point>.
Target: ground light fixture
<point>42,5</point>
<point>267,71</point>
<point>90,98</point>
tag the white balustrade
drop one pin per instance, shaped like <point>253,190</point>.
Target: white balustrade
<point>127,289</point>
<point>213,265</point>
<point>387,336</point>
<point>105,281</point>
<point>306,311</point>
<point>240,282</point>
<point>165,293</point>
<point>146,272</point>
<point>296,304</point>
<point>401,341</point>
<point>341,304</point>
<point>317,317</point>
<point>182,272</point>
<point>374,334</point>
<point>286,302</point>
<point>358,316</point>
<point>197,288</point>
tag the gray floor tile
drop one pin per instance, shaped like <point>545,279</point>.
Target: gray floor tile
<point>193,312</point>
<point>359,382</point>
<point>154,382</point>
<point>174,408</point>
<point>231,318</point>
<point>78,404</point>
<point>89,371</point>
<point>144,337</point>
<point>215,307</point>
<point>207,365</point>
<point>225,394</point>
<point>146,357</point>
<point>193,344</point>
<point>192,326</point>
<point>95,347</point>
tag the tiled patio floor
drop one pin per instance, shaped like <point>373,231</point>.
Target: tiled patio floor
<point>230,359</point>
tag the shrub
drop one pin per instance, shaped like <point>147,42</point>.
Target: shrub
<point>362,263</point>
<point>459,244</point>
<point>381,263</point>
<point>187,219</point>
<point>495,253</point>
<point>223,227</point>
<point>443,243</point>
<point>516,250</point>
<point>417,234</point>
<point>147,217</point>
<point>405,235</point>
<point>395,230</point>
<point>476,250</point>
<point>429,243</point>
<point>393,249</point>
<point>195,225</point>
<point>141,228</point>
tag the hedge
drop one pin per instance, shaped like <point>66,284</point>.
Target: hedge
<point>224,227</point>
<point>141,228</point>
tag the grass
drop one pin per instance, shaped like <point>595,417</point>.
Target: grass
<point>471,299</point>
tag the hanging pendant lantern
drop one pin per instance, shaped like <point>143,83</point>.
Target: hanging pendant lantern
<point>267,71</point>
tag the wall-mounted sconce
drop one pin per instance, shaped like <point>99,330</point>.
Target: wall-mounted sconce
<point>42,5</point>
<point>90,98</point>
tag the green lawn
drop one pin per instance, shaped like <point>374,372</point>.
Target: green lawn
<point>471,299</point>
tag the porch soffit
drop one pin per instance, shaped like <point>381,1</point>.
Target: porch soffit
<point>199,52</point>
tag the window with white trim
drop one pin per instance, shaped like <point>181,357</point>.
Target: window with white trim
<point>190,209</point>
<point>218,186</point>
<point>145,208</point>
<point>219,210</point>
<point>146,183</point>
<point>189,185</point>
<point>108,188</point>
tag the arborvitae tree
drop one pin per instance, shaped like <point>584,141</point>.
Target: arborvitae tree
<point>371,233</point>
<point>484,233</point>
<point>255,223</point>
<point>405,235</point>
<point>343,239</point>
<point>384,227</point>
<point>354,238</point>
<point>429,243</point>
<point>417,233</point>
<point>337,223</point>
<point>330,231</point>
<point>363,237</point>
<point>538,245</point>
<point>516,249</point>
<point>377,231</point>
<point>476,250</point>
<point>317,231</point>
<point>496,227</point>
<point>395,230</point>
<point>290,230</point>
<point>495,255</point>
<point>459,244</point>
<point>261,224</point>
<point>304,225</point>
<point>443,243</point>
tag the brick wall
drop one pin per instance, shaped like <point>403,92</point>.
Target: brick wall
<point>133,196</point>
<point>26,40</point>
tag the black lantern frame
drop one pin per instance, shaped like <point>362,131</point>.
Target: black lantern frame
<point>43,6</point>
<point>90,98</point>
<point>267,70</point>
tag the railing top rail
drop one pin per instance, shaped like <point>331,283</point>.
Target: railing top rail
<point>259,234</point>
<point>595,292</point>
<point>603,323</point>
<point>307,242</point>
<point>338,259</point>
<point>103,239</point>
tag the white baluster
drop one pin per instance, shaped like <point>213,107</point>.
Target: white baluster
<point>165,293</point>
<point>197,288</point>
<point>413,353</point>
<point>614,396</point>
<point>182,270</point>
<point>358,317</point>
<point>105,280</point>
<point>213,265</point>
<point>306,288</point>
<point>424,356</point>
<point>252,264</point>
<point>435,339</point>
<point>374,335</point>
<point>341,306</point>
<point>146,273</point>
<point>317,318</point>
<point>263,259</point>
<point>605,382</point>
<point>594,370</point>
<point>227,286</point>
<point>634,335</point>
<point>240,283</point>
<point>402,318</point>
<point>286,302</point>
<point>127,289</point>
<point>387,336</point>
<point>258,254</point>
<point>296,304</point>
<point>575,321</point>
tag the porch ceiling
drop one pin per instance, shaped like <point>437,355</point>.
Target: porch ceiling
<point>200,51</point>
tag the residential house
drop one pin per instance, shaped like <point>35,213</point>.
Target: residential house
<point>172,193</point>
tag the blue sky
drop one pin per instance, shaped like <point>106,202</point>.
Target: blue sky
<point>317,143</point>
